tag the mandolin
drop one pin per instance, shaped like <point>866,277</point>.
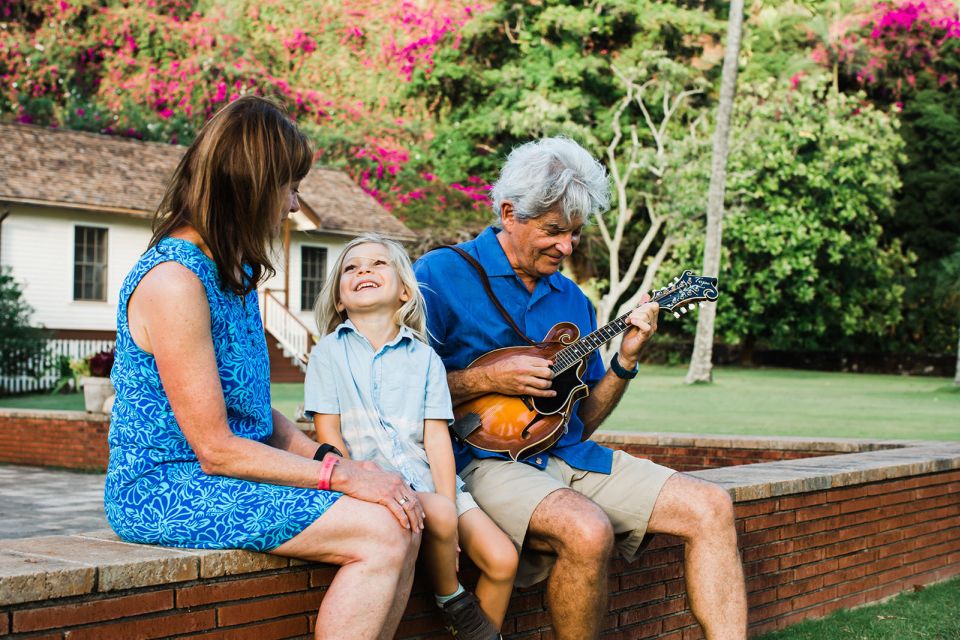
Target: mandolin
<point>523,426</point>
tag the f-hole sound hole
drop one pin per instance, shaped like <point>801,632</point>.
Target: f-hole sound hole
<point>526,430</point>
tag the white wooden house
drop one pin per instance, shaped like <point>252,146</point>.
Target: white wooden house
<point>75,214</point>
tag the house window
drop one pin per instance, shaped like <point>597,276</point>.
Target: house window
<point>89,263</point>
<point>313,269</point>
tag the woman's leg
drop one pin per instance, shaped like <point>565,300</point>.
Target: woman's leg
<point>496,557</point>
<point>439,549</point>
<point>376,558</point>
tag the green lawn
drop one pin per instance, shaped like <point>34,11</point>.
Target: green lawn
<point>61,401</point>
<point>791,402</point>
<point>930,614</point>
<point>740,401</point>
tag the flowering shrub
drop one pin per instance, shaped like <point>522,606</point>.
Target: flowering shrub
<point>158,69</point>
<point>897,47</point>
<point>101,363</point>
<point>913,45</point>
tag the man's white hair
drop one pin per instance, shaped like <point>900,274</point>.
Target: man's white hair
<point>552,174</point>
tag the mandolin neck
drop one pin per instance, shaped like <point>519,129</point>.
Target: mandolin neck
<point>573,354</point>
<point>687,288</point>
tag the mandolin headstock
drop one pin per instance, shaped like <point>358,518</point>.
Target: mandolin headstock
<point>684,292</point>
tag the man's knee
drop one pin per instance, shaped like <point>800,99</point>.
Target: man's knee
<point>576,525</point>
<point>713,510</point>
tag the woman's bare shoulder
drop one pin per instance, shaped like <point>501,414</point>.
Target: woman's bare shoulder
<point>171,280</point>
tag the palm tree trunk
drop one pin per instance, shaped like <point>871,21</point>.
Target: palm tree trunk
<point>956,378</point>
<point>701,363</point>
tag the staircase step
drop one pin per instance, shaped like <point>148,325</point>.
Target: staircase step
<point>282,368</point>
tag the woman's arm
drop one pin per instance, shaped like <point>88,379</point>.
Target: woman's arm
<point>287,436</point>
<point>436,442</point>
<point>328,430</point>
<point>169,317</point>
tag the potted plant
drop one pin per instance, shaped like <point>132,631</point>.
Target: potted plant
<point>94,371</point>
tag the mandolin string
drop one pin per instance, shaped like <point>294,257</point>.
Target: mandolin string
<point>573,354</point>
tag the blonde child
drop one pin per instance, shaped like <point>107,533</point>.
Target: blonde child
<point>378,392</point>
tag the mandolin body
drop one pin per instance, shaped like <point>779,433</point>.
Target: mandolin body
<point>522,426</point>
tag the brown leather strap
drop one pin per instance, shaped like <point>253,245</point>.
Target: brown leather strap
<point>486,285</point>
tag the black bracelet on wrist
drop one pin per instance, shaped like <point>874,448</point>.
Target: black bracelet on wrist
<point>324,449</point>
<point>622,373</point>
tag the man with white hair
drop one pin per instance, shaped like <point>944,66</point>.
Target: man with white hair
<point>569,507</point>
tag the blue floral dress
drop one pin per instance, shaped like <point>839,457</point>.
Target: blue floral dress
<point>155,490</point>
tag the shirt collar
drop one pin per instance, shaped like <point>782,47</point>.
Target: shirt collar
<point>495,261</point>
<point>347,326</point>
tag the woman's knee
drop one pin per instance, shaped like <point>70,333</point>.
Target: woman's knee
<point>379,537</point>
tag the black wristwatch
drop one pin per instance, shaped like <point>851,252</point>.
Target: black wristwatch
<point>622,373</point>
<point>324,449</point>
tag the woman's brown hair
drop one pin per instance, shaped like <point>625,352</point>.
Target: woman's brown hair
<point>229,186</point>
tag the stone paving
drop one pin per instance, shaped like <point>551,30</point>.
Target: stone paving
<point>41,502</point>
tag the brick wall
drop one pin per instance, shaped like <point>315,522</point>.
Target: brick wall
<point>689,457</point>
<point>78,440</point>
<point>805,555</point>
<point>67,439</point>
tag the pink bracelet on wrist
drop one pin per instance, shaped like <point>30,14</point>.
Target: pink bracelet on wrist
<point>326,471</point>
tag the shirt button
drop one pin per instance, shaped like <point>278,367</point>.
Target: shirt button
<point>539,461</point>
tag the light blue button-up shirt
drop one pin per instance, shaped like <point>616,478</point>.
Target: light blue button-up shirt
<point>382,397</point>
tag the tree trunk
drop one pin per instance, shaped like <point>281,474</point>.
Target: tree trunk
<point>701,363</point>
<point>956,378</point>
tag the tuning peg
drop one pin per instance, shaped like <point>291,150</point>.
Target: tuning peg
<point>676,315</point>
<point>683,310</point>
<point>691,306</point>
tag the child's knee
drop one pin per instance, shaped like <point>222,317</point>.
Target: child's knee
<point>441,521</point>
<point>501,559</point>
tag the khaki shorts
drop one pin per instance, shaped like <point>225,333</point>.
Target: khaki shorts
<point>509,492</point>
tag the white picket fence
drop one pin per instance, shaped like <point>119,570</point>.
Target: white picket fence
<point>47,364</point>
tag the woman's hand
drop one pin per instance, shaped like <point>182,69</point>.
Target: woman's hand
<point>368,482</point>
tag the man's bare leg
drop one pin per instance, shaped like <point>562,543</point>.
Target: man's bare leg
<point>579,533</point>
<point>376,558</point>
<point>701,514</point>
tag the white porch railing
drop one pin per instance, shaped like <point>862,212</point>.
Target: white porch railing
<point>294,337</point>
<point>47,365</point>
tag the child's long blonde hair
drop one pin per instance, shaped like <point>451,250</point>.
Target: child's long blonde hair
<point>412,314</point>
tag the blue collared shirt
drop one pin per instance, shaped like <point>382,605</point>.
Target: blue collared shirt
<point>464,324</point>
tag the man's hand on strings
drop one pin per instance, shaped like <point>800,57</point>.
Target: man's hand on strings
<point>643,321</point>
<point>522,376</point>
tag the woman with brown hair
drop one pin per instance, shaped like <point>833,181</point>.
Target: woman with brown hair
<point>198,458</point>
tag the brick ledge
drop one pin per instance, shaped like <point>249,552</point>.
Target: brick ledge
<point>34,569</point>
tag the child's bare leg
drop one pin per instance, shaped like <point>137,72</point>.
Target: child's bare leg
<point>496,557</point>
<point>439,546</point>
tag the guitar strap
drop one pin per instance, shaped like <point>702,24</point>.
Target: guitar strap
<point>486,286</point>
<point>470,422</point>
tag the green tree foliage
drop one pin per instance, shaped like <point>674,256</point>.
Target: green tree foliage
<point>928,215</point>
<point>20,342</point>
<point>526,70</point>
<point>906,55</point>
<point>806,265</point>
